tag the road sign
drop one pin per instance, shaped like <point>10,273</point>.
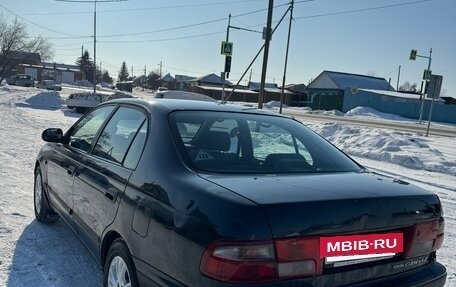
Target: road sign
<point>413,54</point>
<point>227,48</point>
<point>435,85</point>
<point>427,74</point>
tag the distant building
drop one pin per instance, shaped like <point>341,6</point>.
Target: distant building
<point>255,86</point>
<point>210,80</point>
<point>403,104</point>
<point>126,86</point>
<point>298,97</point>
<point>11,60</point>
<point>327,91</point>
<point>49,71</point>
<point>272,92</point>
<point>183,82</point>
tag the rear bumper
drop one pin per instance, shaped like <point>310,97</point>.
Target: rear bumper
<point>429,275</point>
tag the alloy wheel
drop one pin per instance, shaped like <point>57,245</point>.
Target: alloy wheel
<point>38,193</point>
<point>118,273</point>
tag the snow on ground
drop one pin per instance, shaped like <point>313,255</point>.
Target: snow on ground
<point>33,254</point>
<point>403,148</point>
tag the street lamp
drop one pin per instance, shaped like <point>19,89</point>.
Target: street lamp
<point>94,33</point>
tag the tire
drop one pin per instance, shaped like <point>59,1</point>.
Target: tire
<point>43,212</point>
<point>119,258</point>
<point>70,107</point>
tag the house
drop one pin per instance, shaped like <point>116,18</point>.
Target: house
<point>327,91</point>
<point>272,92</point>
<point>183,82</point>
<point>298,97</point>
<point>61,73</point>
<point>239,94</point>
<point>210,80</point>
<point>402,104</point>
<point>11,60</point>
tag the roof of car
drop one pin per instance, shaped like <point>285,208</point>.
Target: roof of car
<point>175,105</point>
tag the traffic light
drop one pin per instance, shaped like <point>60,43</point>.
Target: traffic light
<point>413,54</point>
<point>227,64</point>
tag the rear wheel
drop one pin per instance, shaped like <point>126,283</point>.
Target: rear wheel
<point>119,270</point>
<point>43,212</point>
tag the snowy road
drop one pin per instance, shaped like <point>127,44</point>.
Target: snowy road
<point>33,254</point>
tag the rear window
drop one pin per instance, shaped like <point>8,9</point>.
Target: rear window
<point>224,142</point>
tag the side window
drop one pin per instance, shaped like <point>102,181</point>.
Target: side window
<point>85,130</point>
<point>134,153</point>
<point>118,134</point>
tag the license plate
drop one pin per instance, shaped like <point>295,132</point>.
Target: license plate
<point>355,245</point>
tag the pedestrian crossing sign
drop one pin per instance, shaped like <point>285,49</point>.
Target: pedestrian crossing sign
<point>227,48</point>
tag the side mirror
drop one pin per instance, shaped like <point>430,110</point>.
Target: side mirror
<point>52,135</point>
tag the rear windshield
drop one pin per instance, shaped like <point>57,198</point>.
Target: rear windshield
<point>224,142</point>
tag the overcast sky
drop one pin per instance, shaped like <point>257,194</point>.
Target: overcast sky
<point>355,36</point>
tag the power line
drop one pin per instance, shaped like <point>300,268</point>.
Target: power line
<point>187,26</point>
<point>140,9</point>
<point>73,44</point>
<point>38,25</point>
<point>163,40</point>
<point>361,10</point>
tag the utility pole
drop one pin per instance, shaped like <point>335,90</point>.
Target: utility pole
<point>132,71</point>
<point>160,64</point>
<point>144,81</point>
<point>223,73</point>
<point>94,34</point>
<point>286,56</point>
<point>398,77</point>
<point>425,80</point>
<point>266,54</point>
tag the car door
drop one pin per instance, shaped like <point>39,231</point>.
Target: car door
<point>62,165</point>
<point>100,182</point>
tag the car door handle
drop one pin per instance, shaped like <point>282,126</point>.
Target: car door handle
<point>71,170</point>
<point>111,194</point>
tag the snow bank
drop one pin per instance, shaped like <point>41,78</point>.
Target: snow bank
<point>402,148</point>
<point>83,83</point>
<point>373,113</point>
<point>50,100</point>
<point>274,105</point>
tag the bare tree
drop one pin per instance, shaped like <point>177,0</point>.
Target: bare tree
<point>17,46</point>
<point>408,87</point>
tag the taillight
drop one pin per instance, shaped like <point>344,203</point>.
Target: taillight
<point>240,262</point>
<point>262,261</point>
<point>299,257</point>
<point>425,238</point>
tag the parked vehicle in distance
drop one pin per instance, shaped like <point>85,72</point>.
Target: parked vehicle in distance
<point>182,95</point>
<point>21,80</point>
<point>49,85</point>
<point>191,193</point>
<point>83,101</point>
